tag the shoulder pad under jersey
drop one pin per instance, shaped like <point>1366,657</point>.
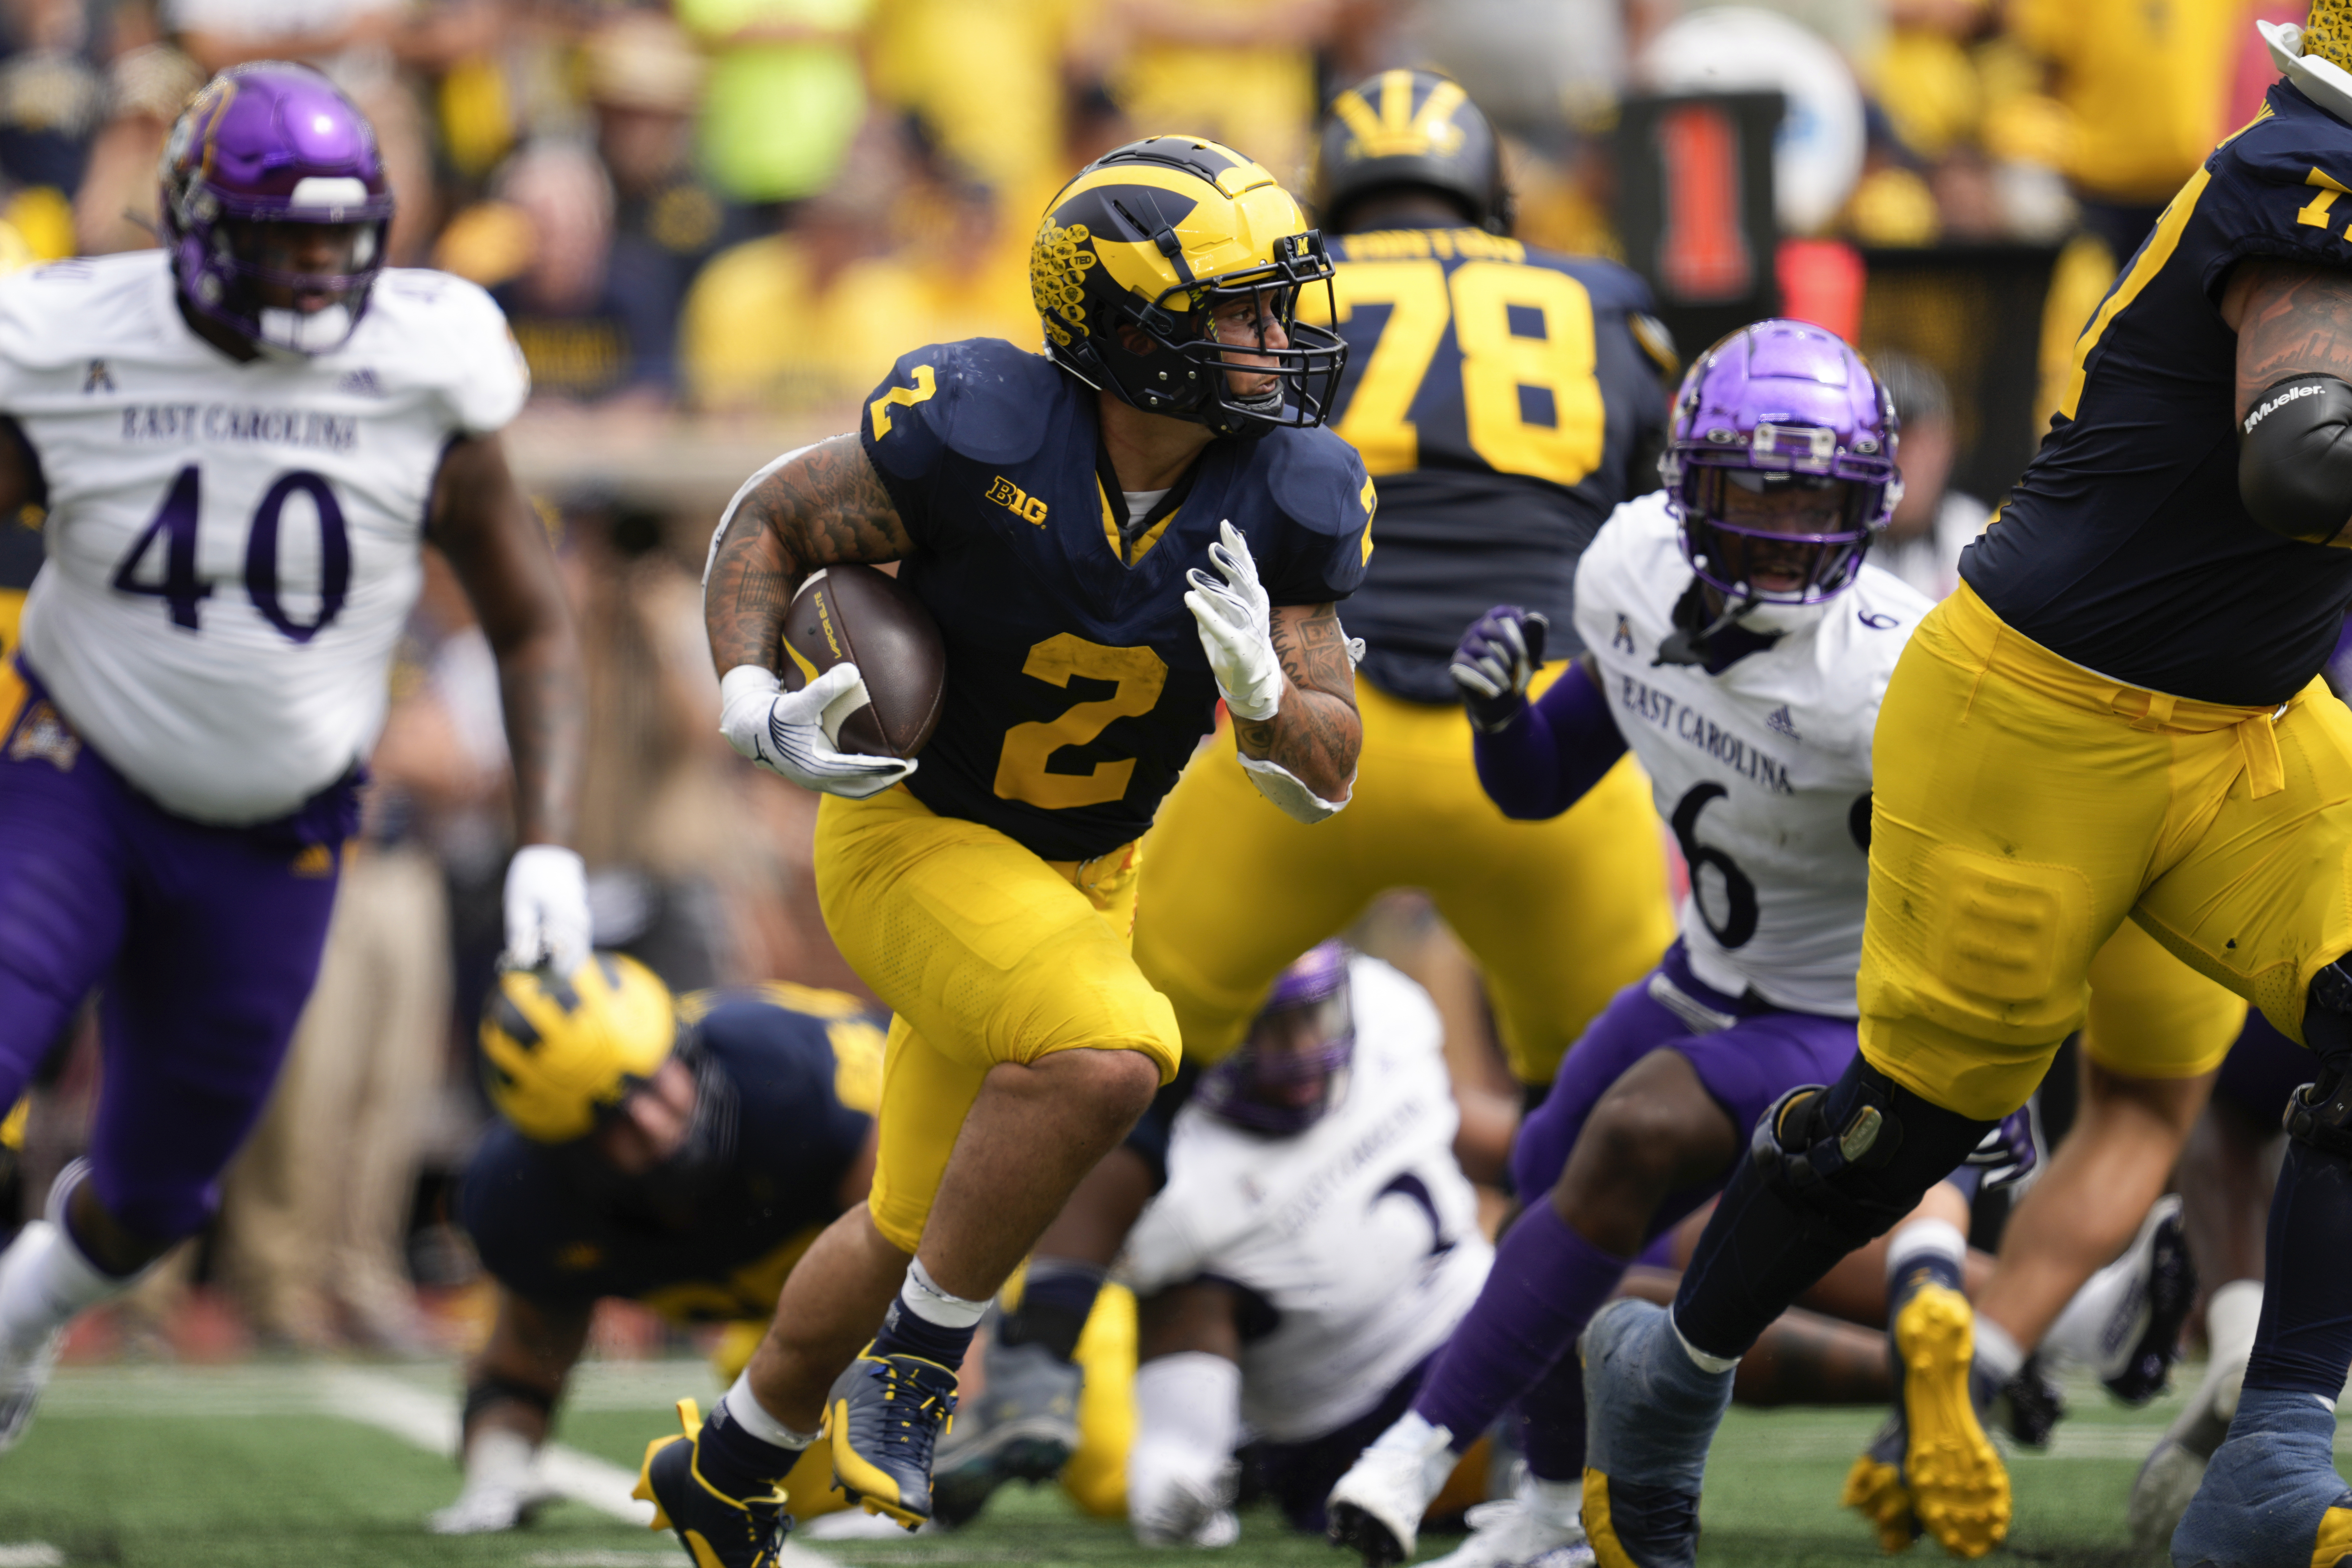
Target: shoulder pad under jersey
<point>1317,480</point>
<point>980,399</point>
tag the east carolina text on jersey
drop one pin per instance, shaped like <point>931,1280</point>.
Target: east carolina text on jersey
<point>1076,688</point>
<point>233,547</point>
<point>2124,547</point>
<point>1762,772</point>
<point>1500,396</point>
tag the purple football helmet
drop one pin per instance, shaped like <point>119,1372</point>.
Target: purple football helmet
<point>1286,1073</point>
<point>272,143</point>
<point>1776,406</point>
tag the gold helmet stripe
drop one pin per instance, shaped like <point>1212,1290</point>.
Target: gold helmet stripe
<point>1396,131</point>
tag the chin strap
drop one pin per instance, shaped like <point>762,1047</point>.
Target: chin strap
<point>2323,81</point>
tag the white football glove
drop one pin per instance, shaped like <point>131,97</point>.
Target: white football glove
<point>502,1489</point>
<point>783,732</point>
<point>1237,628</point>
<point>547,909</point>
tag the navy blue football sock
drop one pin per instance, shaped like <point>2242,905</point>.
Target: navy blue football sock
<point>906,1333</point>
<point>735,1461</point>
<point>1056,1302</point>
<point>1922,1267</point>
<point>2304,1340</point>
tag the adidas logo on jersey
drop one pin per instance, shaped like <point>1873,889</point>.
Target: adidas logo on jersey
<point>99,379</point>
<point>1779,721</point>
<point>360,383</point>
<point>1622,638</point>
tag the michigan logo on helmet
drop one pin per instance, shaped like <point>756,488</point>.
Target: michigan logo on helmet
<point>1161,235</point>
<point>1409,130</point>
<point>557,1050</point>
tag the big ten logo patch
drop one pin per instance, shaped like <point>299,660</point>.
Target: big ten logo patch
<point>1019,502</point>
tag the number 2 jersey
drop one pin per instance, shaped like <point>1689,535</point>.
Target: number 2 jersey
<point>1077,687</point>
<point>1502,398</point>
<point>1762,771</point>
<point>232,548</point>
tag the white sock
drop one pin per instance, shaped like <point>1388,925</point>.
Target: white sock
<point>753,1416</point>
<point>921,1295</point>
<point>1996,1351</point>
<point>1925,1238</point>
<point>45,1283</point>
<point>1415,1433</point>
<point>1560,1504</point>
<point>1187,1413</point>
<point>2231,1314</point>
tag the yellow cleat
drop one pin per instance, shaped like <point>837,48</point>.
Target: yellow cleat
<point>1958,1485</point>
<point>1875,1490</point>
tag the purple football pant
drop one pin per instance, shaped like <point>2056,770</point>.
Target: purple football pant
<point>1547,1280</point>
<point>206,941</point>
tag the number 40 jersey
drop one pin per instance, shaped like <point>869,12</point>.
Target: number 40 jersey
<point>232,548</point>
<point>1762,770</point>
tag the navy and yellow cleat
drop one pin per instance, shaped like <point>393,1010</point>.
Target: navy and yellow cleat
<point>2271,1497</point>
<point>1959,1486</point>
<point>882,1417</point>
<point>1651,1412</point>
<point>1876,1490</point>
<point>716,1530</point>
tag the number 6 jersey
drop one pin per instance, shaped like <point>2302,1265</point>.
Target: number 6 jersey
<point>1762,771</point>
<point>233,549</point>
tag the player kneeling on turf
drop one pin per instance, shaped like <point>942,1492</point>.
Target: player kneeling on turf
<point>1314,1245</point>
<point>679,1155</point>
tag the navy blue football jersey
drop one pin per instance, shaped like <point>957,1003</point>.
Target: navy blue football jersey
<point>1076,688</point>
<point>2124,547</point>
<point>806,1066</point>
<point>1503,398</point>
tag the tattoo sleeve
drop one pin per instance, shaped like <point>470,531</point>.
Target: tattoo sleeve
<point>1316,735</point>
<point>825,507</point>
<point>2296,320</point>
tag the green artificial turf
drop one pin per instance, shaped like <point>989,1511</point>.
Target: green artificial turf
<point>242,1467</point>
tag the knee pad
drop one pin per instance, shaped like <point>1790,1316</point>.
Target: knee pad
<point>2319,1114</point>
<point>1856,1155</point>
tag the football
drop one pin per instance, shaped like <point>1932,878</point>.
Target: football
<point>863,616</point>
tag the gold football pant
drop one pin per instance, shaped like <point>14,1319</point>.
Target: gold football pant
<point>985,954</point>
<point>2026,806</point>
<point>1560,914</point>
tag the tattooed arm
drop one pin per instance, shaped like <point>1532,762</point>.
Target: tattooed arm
<point>2294,397</point>
<point>825,506</point>
<point>493,538</point>
<point>1316,734</point>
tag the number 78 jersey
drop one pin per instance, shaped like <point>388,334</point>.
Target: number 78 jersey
<point>1762,771</point>
<point>233,549</point>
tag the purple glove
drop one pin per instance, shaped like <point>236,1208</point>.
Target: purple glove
<point>2008,1154</point>
<point>1494,663</point>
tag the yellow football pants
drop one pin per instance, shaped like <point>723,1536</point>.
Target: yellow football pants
<point>1560,914</point>
<point>985,954</point>
<point>2152,1015</point>
<point>2026,806</point>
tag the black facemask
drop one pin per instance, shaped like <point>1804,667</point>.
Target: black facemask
<point>669,1196</point>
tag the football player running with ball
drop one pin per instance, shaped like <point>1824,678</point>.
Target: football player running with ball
<point>1451,324</point>
<point>1110,537</point>
<point>243,442</point>
<point>1735,643</point>
<point>2115,718</point>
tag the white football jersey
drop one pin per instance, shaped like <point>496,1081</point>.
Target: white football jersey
<point>233,549</point>
<point>1763,771</point>
<point>1358,1239</point>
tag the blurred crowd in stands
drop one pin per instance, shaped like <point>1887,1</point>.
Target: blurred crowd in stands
<point>733,215</point>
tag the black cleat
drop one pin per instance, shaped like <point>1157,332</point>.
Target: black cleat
<point>716,1530</point>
